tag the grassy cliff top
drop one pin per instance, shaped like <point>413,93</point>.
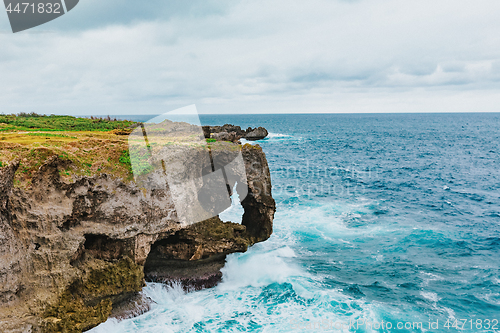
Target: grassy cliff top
<point>94,145</point>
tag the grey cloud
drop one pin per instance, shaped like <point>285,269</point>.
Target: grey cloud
<point>418,68</point>
<point>94,14</point>
<point>453,67</point>
<point>108,57</point>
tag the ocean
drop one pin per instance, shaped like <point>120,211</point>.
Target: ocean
<point>384,223</point>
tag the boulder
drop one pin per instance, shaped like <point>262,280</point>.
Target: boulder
<point>258,133</point>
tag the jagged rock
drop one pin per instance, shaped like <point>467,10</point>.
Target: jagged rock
<point>71,252</point>
<point>233,133</point>
<point>259,205</point>
<point>228,128</point>
<point>256,134</point>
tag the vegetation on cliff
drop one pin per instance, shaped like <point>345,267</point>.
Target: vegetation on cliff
<point>88,302</point>
<point>93,145</point>
<point>36,122</point>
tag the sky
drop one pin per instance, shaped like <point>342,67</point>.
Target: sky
<point>234,56</point>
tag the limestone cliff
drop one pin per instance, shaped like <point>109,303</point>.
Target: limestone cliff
<point>71,252</point>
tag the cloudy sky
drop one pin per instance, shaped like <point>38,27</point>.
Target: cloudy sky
<point>278,56</point>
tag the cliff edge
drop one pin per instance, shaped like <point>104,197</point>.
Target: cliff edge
<point>74,251</point>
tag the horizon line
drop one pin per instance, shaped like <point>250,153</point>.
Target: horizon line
<point>256,114</point>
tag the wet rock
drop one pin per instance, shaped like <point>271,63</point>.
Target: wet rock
<point>132,305</point>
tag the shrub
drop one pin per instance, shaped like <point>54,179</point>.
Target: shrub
<point>31,121</point>
<point>125,157</point>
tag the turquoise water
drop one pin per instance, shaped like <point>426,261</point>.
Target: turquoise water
<point>381,220</point>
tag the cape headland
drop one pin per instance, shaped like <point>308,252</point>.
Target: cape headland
<point>79,237</point>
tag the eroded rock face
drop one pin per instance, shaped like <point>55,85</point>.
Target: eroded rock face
<point>259,205</point>
<point>73,253</point>
<point>12,249</point>
<point>194,256</point>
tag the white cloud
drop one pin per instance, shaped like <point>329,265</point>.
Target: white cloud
<point>257,56</point>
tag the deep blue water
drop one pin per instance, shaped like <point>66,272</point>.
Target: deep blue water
<point>380,218</point>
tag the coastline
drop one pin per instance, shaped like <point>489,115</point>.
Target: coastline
<point>80,248</point>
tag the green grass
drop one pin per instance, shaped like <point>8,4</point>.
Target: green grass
<point>125,158</point>
<point>32,121</point>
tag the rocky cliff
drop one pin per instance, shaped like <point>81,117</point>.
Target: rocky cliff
<point>74,252</point>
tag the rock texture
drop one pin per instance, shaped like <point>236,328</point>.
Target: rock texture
<point>74,252</point>
<point>234,133</point>
<point>258,133</point>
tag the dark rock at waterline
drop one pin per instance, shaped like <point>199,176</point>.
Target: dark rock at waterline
<point>256,134</point>
<point>194,256</point>
<point>190,275</point>
<point>131,306</point>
